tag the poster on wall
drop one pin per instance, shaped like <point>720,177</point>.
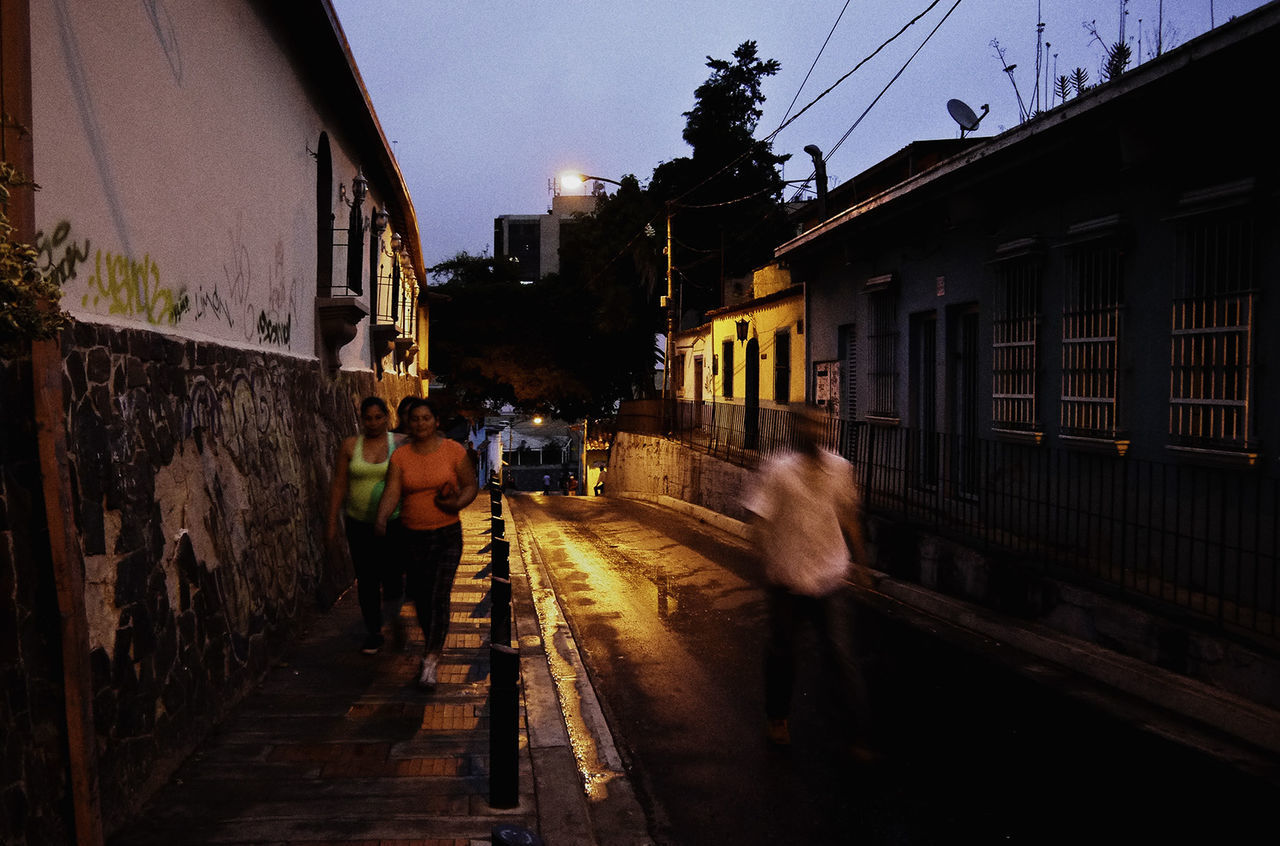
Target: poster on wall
<point>826,386</point>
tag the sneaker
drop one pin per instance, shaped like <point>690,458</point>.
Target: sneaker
<point>372,644</point>
<point>427,678</point>
<point>778,732</point>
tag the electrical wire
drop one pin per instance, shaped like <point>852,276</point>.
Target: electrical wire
<point>815,59</point>
<point>901,70</point>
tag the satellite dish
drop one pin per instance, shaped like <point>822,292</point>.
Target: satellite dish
<point>963,115</point>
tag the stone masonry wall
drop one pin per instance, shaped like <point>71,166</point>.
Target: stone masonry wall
<point>200,478</point>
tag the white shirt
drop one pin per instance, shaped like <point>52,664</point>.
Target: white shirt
<point>800,502</point>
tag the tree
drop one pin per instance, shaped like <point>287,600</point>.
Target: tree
<point>486,337</point>
<point>727,197</point>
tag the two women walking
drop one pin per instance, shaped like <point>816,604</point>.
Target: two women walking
<point>414,526</point>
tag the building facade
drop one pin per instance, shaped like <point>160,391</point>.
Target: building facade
<point>533,240</point>
<point>239,260</point>
<point>1052,344</point>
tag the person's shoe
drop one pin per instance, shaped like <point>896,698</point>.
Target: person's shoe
<point>372,644</point>
<point>427,678</point>
<point>778,732</point>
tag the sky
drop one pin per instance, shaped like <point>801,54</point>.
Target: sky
<point>485,102</point>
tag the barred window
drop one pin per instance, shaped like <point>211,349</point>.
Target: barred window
<point>882,340</point>
<point>1211,347</point>
<point>1016,341</point>
<point>1091,323</point>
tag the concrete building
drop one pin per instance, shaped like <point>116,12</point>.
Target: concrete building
<point>239,258</point>
<point>533,240</point>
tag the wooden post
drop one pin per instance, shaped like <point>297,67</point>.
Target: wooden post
<point>46,378</point>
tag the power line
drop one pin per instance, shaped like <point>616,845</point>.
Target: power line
<point>815,59</point>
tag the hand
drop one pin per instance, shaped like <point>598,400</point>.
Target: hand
<point>447,497</point>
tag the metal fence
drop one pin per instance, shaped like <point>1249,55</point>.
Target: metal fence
<point>1206,539</point>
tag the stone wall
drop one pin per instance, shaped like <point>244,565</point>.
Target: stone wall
<point>200,478</point>
<point>652,466</point>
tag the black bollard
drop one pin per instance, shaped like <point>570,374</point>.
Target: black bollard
<point>504,726</point>
<point>500,611</point>
<point>500,558</point>
<point>496,528</point>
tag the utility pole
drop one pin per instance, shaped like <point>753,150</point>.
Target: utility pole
<point>668,382</point>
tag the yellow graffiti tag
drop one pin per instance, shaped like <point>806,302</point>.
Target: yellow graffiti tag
<point>133,289</point>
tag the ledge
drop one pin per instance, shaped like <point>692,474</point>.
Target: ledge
<point>1105,446</point>
<point>1217,457</point>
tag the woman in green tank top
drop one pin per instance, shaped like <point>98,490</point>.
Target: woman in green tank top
<point>359,476</point>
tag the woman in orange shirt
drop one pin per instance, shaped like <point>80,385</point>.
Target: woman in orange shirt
<point>431,480</point>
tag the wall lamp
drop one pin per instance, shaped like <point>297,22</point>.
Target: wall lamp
<point>742,325</point>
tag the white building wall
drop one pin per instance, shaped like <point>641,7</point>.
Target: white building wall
<point>177,175</point>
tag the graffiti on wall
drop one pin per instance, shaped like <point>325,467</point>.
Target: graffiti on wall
<point>229,302</point>
<point>132,288</point>
<point>57,257</point>
<point>123,286</point>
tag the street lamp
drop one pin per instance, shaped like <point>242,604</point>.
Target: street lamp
<point>573,179</point>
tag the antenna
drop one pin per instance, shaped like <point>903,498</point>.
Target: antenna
<point>963,115</point>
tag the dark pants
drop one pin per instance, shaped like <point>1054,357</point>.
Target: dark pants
<point>431,561</point>
<point>832,618</point>
<point>379,572</point>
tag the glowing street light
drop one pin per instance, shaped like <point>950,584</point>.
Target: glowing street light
<point>573,179</point>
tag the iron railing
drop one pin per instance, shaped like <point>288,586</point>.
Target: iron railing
<point>1201,538</point>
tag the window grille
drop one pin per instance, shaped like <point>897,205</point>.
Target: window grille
<point>782,366</point>
<point>1016,337</point>
<point>1091,323</point>
<point>1211,347</point>
<point>849,371</point>
<point>882,340</point>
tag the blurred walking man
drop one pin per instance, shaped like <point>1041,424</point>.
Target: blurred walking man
<point>807,526</point>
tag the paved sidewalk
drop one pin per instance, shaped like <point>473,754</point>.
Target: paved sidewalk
<point>340,747</point>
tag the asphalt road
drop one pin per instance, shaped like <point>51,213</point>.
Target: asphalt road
<point>669,616</point>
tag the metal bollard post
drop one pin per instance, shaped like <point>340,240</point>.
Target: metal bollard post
<point>500,558</point>
<point>504,726</point>
<point>500,611</point>
<point>496,528</point>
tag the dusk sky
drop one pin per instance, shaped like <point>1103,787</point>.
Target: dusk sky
<point>486,101</point>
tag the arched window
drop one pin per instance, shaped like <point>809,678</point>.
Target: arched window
<point>324,217</point>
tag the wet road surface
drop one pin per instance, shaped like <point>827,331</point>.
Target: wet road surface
<point>669,615</point>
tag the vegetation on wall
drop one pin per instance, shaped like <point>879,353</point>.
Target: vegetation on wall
<point>28,300</point>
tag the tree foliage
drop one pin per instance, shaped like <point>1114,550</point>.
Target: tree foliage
<point>28,300</point>
<point>727,196</point>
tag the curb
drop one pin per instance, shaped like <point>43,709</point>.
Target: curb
<point>583,793</point>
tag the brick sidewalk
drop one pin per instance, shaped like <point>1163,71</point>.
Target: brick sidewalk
<point>337,747</point>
